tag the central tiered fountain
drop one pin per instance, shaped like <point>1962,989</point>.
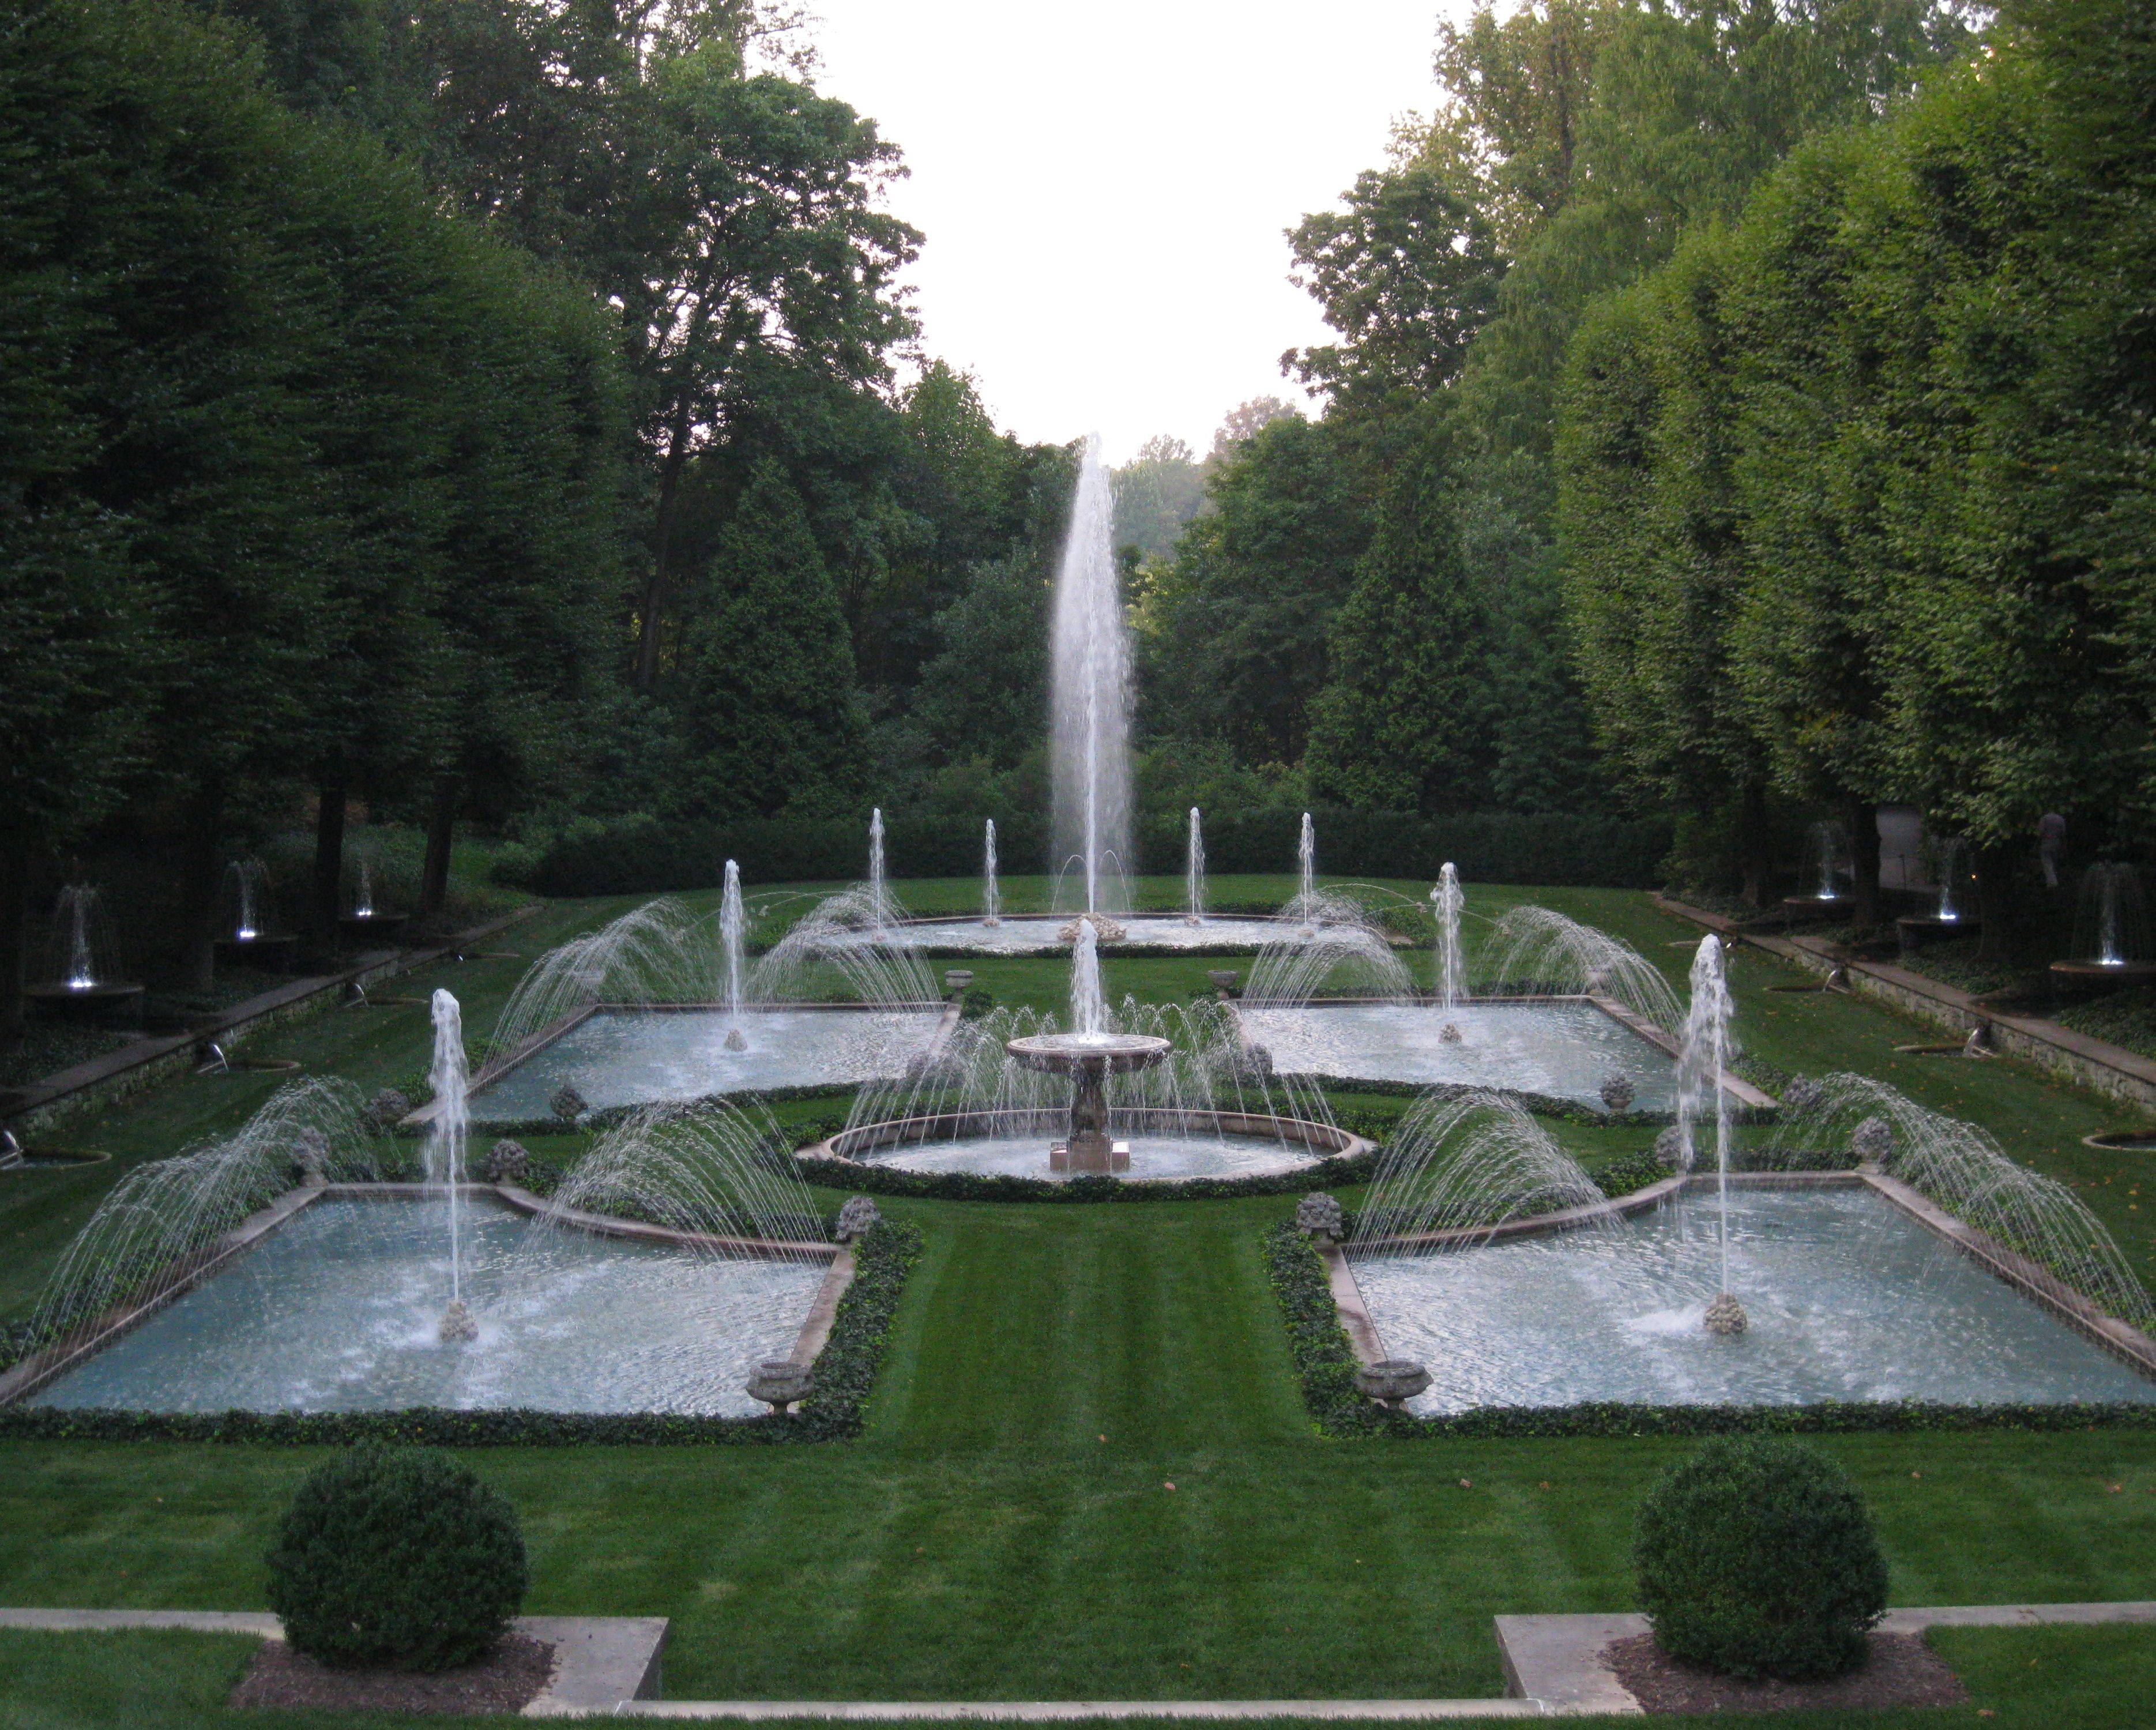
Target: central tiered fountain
<point>1088,1055</point>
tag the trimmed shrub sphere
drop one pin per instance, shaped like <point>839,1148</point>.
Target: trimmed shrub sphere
<point>1756,1558</point>
<point>395,1559</point>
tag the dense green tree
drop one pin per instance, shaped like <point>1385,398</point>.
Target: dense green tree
<point>1156,492</point>
<point>1406,273</point>
<point>1235,629</point>
<point>1649,536</point>
<point>1402,724</point>
<point>771,721</point>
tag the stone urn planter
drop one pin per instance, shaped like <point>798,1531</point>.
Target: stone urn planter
<point>780,1383</point>
<point>1391,1381</point>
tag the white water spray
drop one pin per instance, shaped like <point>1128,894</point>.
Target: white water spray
<point>1305,864</point>
<point>1701,1066</point>
<point>76,903</point>
<point>1089,729</point>
<point>1193,870</point>
<point>1089,1006</point>
<point>879,899</point>
<point>1447,900</point>
<point>733,932</point>
<point>451,1081</point>
<point>991,897</point>
<point>363,904</point>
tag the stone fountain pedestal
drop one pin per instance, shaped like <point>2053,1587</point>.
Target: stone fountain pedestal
<point>1089,1060</point>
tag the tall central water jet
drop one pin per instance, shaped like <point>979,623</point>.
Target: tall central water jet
<point>1090,720</point>
<point>733,928</point>
<point>992,898</point>
<point>445,1150</point>
<point>1089,1054</point>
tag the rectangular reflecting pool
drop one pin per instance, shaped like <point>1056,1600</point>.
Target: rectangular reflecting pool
<point>338,1310</point>
<point>1846,1295</point>
<point>637,1057</point>
<point>1566,1049</point>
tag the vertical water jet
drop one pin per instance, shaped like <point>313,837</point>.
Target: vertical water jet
<point>1089,729</point>
<point>451,1079</point>
<point>1193,871</point>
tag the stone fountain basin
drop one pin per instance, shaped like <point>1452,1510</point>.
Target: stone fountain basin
<point>1851,1288</point>
<point>1041,933</point>
<point>1166,1145</point>
<point>338,1308</point>
<point>1555,1047</point>
<point>1099,1054</point>
<point>618,1054</point>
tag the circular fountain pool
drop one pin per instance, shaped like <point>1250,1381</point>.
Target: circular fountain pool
<point>1165,1147</point>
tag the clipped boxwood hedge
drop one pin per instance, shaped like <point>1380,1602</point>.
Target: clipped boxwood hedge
<point>1325,1365</point>
<point>1756,1558</point>
<point>397,1558</point>
<point>845,1372</point>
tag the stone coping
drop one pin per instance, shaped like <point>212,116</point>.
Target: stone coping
<point>1325,1141</point>
<point>181,1277</point>
<point>600,1662</point>
<point>1736,1086</point>
<point>143,1061</point>
<point>2033,1281</point>
<point>610,1666</point>
<point>1556,1660</point>
<point>2110,1069</point>
<point>1054,1712</point>
<point>947,1010</point>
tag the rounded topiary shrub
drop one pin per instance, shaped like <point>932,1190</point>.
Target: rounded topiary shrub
<point>397,1559</point>
<point>1756,1558</point>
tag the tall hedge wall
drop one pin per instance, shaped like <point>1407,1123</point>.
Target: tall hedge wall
<point>642,856</point>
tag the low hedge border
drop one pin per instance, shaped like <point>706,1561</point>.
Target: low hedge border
<point>1325,1365</point>
<point>1336,1173</point>
<point>845,1374</point>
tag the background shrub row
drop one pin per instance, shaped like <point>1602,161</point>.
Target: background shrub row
<point>1325,1364</point>
<point>642,856</point>
<point>845,1372</point>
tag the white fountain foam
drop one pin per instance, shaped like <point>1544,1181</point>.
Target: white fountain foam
<point>706,1169</point>
<point>164,1218</point>
<point>1542,953</point>
<point>1447,901</point>
<point>449,1129</point>
<point>1701,1067</point>
<point>991,899</point>
<point>1466,1164</point>
<point>1193,870</point>
<point>1962,1169</point>
<point>1089,732</point>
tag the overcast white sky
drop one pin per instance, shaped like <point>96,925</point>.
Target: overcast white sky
<point>1105,187</point>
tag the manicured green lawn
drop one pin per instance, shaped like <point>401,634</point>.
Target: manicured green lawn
<point>985,1541</point>
<point>1006,1529</point>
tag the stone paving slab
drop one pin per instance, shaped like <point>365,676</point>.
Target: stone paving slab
<point>1039,1712</point>
<point>601,1663</point>
<point>1558,1661</point>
